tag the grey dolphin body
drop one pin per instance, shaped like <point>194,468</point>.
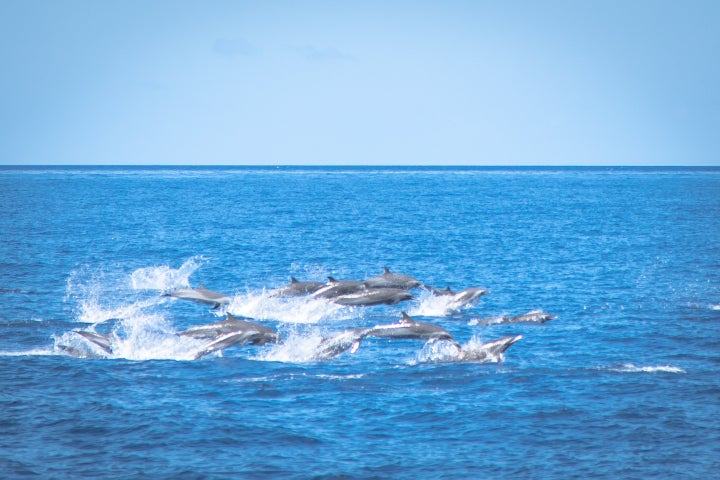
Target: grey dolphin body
<point>200,295</point>
<point>469,296</point>
<point>534,316</point>
<point>393,280</point>
<point>374,296</point>
<point>229,332</point>
<point>336,288</point>
<point>337,344</point>
<point>409,329</point>
<point>101,340</point>
<point>229,339</point>
<point>297,289</point>
<point>77,353</point>
<point>255,333</point>
<point>491,351</point>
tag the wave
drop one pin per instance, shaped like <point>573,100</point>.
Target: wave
<point>24,353</point>
<point>630,368</point>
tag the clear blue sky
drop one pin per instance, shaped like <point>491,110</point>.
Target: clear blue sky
<point>578,82</point>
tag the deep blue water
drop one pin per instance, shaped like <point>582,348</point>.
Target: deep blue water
<point>625,383</point>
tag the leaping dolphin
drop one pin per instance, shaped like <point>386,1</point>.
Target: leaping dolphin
<point>229,332</point>
<point>487,351</point>
<point>200,295</point>
<point>337,344</point>
<point>101,340</point>
<point>457,300</point>
<point>393,280</point>
<point>261,334</point>
<point>374,296</point>
<point>297,289</point>
<point>409,329</point>
<point>336,288</point>
<point>229,339</point>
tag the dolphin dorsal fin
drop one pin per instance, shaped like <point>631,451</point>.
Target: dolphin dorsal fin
<point>387,270</point>
<point>201,287</point>
<point>293,280</point>
<point>332,280</point>
<point>447,289</point>
<point>406,318</point>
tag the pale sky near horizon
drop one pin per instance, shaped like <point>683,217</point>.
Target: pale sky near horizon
<point>631,82</point>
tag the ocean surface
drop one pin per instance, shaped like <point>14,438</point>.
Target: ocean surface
<point>624,383</point>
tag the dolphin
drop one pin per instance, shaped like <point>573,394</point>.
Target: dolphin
<point>78,353</point>
<point>254,333</point>
<point>200,295</point>
<point>297,289</point>
<point>469,296</point>
<point>487,351</point>
<point>229,339</point>
<point>463,297</point>
<point>392,280</point>
<point>335,288</point>
<point>534,316</point>
<point>337,344</point>
<point>409,329</point>
<point>374,296</point>
<point>101,340</point>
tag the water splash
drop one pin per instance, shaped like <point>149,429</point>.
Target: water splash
<point>164,277</point>
<point>263,306</point>
<point>138,337</point>
<point>297,347</point>
<point>430,305</point>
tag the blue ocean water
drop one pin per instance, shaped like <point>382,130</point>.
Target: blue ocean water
<point>624,383</point>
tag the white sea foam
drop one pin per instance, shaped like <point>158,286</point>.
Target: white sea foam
<point>715,306</point>
<point>350,376</point>
<point>630,368</point>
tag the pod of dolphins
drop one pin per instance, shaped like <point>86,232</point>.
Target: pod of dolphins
<point>386,289</point>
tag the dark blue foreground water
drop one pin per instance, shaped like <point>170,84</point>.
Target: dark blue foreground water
<point>625,383</point>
